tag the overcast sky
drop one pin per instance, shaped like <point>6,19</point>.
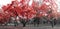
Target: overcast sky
<point>5,2</point>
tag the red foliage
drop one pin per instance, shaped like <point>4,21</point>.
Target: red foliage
<point>24,10</point>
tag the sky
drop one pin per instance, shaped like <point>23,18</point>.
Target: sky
<point>58,3</point>
<point>5,2</point>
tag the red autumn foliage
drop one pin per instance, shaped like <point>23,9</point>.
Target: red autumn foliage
<point>24,10</point>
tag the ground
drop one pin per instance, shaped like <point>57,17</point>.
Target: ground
<point>31,26</point>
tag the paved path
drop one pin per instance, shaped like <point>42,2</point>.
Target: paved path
<point>31,27</point>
